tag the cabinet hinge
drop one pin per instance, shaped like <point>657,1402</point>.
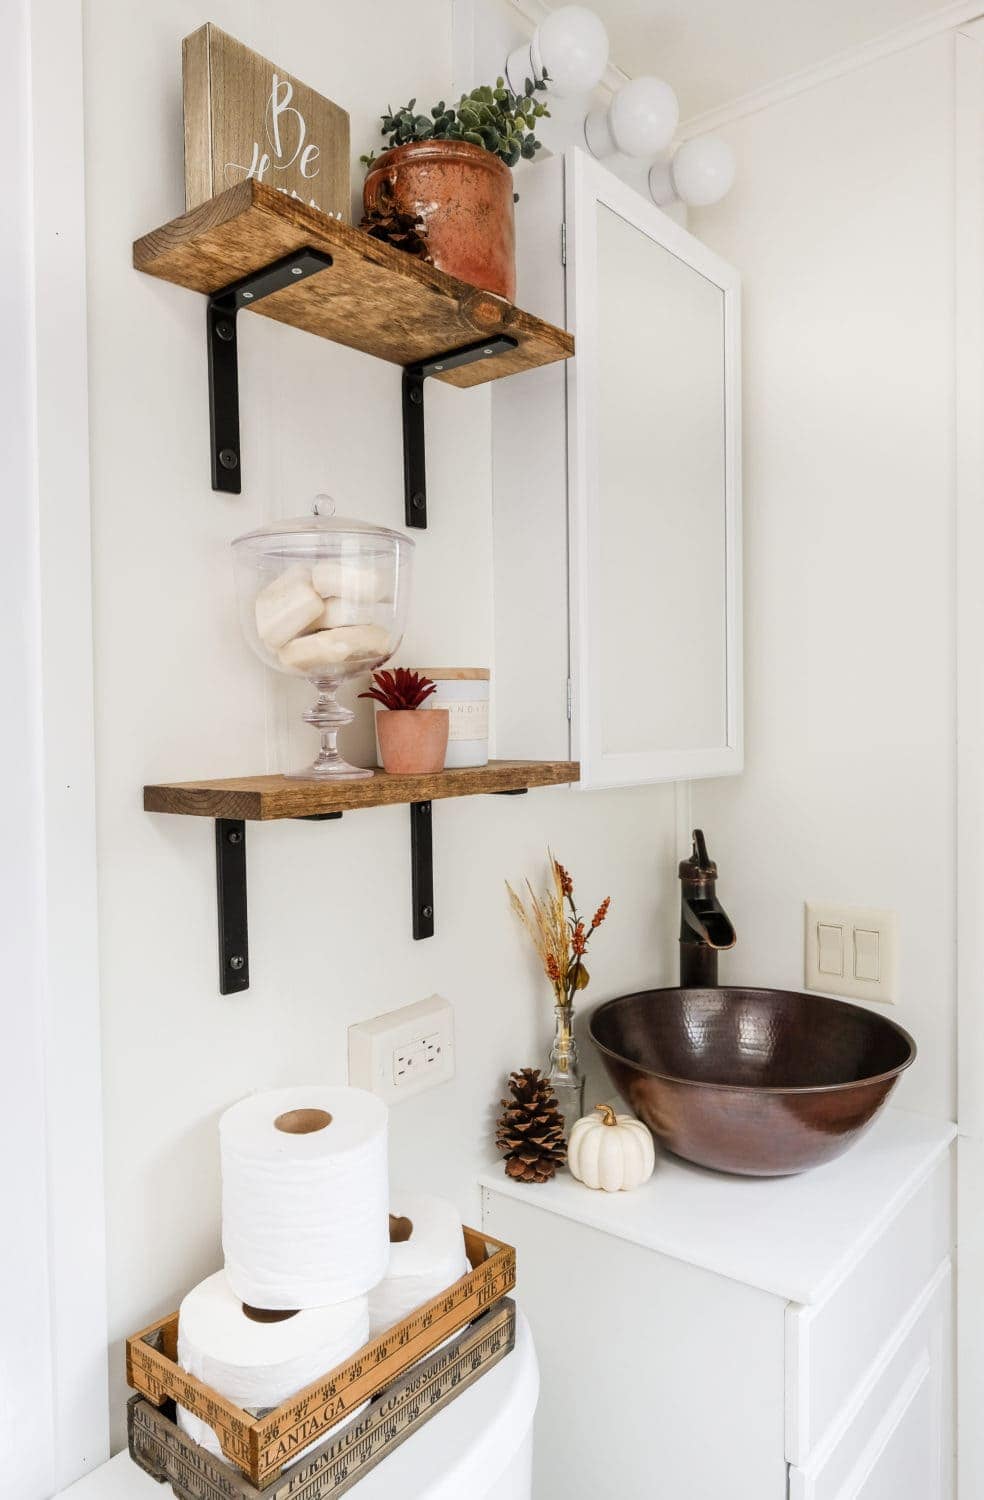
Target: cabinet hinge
<point>570,699</point>
<point>563,244</point>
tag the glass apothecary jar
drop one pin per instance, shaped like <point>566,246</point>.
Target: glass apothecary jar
<point>324,597</point>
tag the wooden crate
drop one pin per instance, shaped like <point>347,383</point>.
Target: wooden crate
<point>159,1446</point>
<point>260,1446</point>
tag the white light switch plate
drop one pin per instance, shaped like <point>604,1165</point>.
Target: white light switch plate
<point>404,1051</point>
<point>851,951</point>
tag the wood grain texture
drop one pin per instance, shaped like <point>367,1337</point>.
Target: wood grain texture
<point>373,298</point>
<point>297,141</point>
<point>259,1446</point>
<point>263,798</point>
<point>159,1447</point>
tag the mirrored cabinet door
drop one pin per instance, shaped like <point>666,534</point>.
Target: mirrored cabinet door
<point>617,486</point>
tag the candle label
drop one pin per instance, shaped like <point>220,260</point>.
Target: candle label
<point>469,718</point>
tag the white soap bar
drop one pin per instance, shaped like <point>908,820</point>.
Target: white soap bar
<point>309,652</point>
<point>343,612</point>
<point>351,580</point>
<point>286,606</point>
<point>363,640</point>
<point>327,648</point>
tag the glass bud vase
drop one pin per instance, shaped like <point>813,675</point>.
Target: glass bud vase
<point>566,1078</point>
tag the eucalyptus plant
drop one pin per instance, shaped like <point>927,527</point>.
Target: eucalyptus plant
<point>495,118</point>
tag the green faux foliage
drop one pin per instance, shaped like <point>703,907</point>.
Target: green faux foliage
<point>494,118</point>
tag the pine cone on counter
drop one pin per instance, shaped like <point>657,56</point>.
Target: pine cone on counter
<point>530,1130</point>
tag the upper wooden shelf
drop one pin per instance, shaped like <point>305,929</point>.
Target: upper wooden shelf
<point>263,798</point>
<point>372,298</point>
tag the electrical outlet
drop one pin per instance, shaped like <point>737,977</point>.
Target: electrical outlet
<point>851,951</point>
<point>404,1051</point>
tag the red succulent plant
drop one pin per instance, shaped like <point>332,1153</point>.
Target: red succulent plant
<point>400,689</point>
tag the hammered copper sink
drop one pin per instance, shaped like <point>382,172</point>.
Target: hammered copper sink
<point>759,1082</point>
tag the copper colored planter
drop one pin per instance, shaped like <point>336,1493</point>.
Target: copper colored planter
<point>759,1082</point>
<point>464,196</point>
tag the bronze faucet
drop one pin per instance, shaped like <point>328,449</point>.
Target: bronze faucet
<point>705,927</point>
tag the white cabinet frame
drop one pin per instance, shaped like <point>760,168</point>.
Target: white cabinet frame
<point>586,185</point>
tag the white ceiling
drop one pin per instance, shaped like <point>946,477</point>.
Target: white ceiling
<point>714,51</point>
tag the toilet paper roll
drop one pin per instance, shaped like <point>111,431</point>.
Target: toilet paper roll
<point>304,1196</point>
<point>427,1253</point>
<point>256,1362</point>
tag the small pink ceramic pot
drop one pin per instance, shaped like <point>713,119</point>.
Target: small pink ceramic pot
<point>412,742</point>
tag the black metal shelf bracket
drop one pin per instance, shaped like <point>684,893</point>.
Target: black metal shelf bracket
<point>414,460</point>
<point>230,878</point>
<point>223,357</point>
<point>422,869</point>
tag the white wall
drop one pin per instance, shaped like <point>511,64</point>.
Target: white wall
<point>841,223</point>
<point>53,1418</point>
<point>26,1405</point>
<point>178,695</point>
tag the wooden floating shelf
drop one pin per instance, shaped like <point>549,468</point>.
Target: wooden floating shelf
<point>264,798</point>
<point>373,298</point>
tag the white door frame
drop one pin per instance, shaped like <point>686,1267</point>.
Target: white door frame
<point>53,1356</point>
<point>586,184</point>
<point>969,457</point>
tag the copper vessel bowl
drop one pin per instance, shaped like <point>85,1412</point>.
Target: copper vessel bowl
<point>759,1082</point>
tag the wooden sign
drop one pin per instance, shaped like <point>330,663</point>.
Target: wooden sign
<point>247,117</point>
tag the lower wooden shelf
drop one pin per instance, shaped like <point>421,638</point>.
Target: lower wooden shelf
<point>240,799</point>
<point>262,798</point>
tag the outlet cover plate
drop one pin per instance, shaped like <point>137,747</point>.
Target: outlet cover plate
<point>403,1052</point>
<point>851,951</point>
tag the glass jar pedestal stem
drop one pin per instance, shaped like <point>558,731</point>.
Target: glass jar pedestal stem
<point>329,716</point>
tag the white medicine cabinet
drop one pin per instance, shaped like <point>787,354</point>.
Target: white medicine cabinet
<point>617,492</point>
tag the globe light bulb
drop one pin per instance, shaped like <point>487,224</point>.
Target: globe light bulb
<point>569,48</point>
<point>640,121</point>
<point>703,170</point>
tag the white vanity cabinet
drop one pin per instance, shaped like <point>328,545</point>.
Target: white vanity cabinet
<point>720,1338</point>
<point>617,492</point>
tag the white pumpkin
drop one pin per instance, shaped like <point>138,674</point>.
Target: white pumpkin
<point>611,1151</point>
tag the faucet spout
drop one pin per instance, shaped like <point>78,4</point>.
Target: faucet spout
<point>705,927</point>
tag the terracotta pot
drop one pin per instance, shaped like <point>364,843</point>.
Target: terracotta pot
<point>464,196</point>
<point>413,741</point>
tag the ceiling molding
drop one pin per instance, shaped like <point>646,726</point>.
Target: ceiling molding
<point>948,18</point>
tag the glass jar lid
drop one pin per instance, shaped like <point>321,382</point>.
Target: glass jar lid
<point>321,531</point>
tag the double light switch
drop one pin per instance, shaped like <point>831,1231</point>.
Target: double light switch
<point>851,951</point>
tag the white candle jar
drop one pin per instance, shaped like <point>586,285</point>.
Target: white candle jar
<point>464,692</point>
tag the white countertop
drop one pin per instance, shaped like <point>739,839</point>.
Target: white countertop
<point>467,1444</point>
<point>792,1236</point>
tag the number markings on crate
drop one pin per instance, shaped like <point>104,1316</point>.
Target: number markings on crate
<point>158,1446</point>
<point>260,1446</point>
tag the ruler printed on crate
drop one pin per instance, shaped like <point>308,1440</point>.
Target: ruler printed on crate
<point>159,1447</point>
<point>261,1445</point>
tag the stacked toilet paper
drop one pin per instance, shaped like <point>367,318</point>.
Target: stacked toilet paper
<point>259,1361</point>
<point>427,1253</point>
<point>305,1195</point>
<point>315,1263</point>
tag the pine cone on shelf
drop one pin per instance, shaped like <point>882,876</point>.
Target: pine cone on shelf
<point>403,231</point>
<point>530,1130</point>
